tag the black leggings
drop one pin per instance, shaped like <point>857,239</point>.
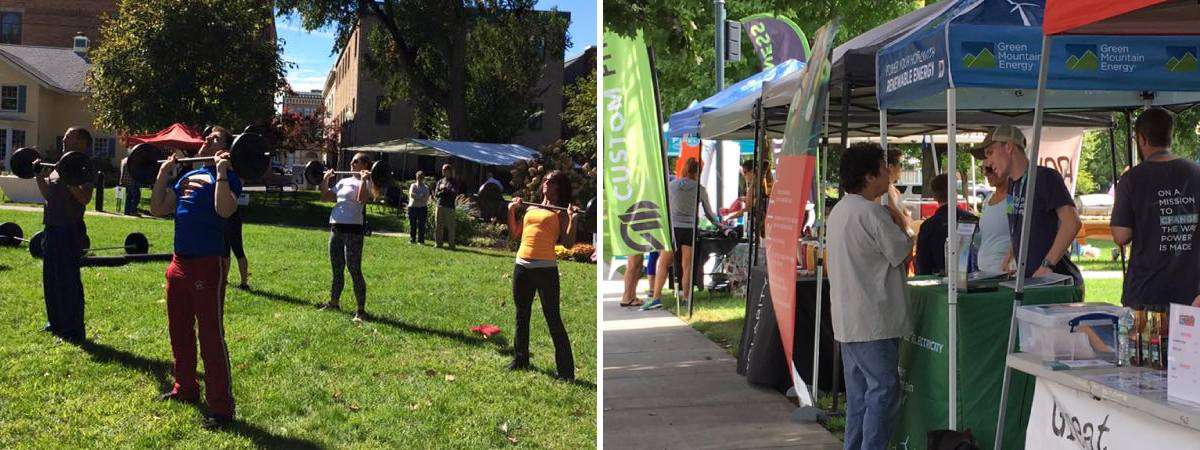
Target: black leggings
<point>544,282</point>
<point>233,236</point>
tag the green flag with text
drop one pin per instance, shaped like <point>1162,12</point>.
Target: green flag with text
<point>635,200</point>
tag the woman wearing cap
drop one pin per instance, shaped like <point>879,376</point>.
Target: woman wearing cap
<point>536,269</point>
<point>346,230</point>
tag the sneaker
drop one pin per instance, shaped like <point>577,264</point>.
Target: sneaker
<point>329,305</point>
<point>214,421</point>
<point>654,304</point>
<point>360,316</point>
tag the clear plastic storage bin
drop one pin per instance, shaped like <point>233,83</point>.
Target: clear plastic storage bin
<point>1069,331</point>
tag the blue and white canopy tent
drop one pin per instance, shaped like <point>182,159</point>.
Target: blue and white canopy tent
<point>982,55</point>
<point>476,156</point>
<point>1136,50</point>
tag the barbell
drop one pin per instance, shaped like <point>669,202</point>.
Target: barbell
<point>11,235</point>
<point>544,206</point>
<point>250,155</point>
<point>74,168</point>
<point>381,174</point>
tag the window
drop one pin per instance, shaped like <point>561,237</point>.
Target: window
<point>383,113</point>
<point>10,28</point>
<point>9,98</point>
<point>537,110</point>
<point>102,148</point>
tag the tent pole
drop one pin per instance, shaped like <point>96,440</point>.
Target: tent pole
<point>847,90</point>
<point>818,225</point>
<point>1112,147</point>
<point>1026,220</point>
<point>1129,147</point>
<point>952,249</point>
<point>752,188</point>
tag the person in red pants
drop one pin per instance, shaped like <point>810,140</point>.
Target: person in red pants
<point>202,200</point>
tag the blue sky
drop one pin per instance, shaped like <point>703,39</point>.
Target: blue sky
<point>310,51</point>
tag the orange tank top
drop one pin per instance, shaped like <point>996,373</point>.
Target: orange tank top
<point>539,235</point>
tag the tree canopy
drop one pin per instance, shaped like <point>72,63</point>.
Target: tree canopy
<point>190,61</point>
<point>470,69</point>
<point>580,117</point>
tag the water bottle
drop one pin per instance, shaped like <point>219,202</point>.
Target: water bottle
<point>1124,327</point>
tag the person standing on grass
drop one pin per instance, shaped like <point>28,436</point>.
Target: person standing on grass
<point>346,230</point>
<point>65,234</point>
<point>234,247</point>
<point>447,190</point>
<point>536,269</point>
<point>1155,210</point>
<point>868,248</point>
<point>133,192</point>
<point>418,209</point>
<point>202,200</point>
<point>682,196</point>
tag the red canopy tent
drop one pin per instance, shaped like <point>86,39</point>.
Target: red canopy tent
<point>1126,17</point>
<point>175,136</point>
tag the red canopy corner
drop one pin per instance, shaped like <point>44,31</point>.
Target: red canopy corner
<point>1125,17</point>
<point>175,136</point>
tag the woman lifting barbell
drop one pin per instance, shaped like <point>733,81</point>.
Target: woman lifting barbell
<point>346,227</point>
<point>536,268</point>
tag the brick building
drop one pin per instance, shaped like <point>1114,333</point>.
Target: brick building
<point>52,23</point>
<point>353,103</point>
<point>303,103</point>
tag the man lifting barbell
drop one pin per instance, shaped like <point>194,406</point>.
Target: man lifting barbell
<point>202,200</point>
<point>67,189</point>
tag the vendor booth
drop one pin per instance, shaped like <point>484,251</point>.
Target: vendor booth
<point>1139,49</point>
<point>469,159</point>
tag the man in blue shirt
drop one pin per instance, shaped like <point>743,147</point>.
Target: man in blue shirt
<point>201,201</point>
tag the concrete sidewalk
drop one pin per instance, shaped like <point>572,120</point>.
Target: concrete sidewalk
<point>667,386</point>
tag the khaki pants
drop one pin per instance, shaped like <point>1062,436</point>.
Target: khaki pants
<point>444,223</point>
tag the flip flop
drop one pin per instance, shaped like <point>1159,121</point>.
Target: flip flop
<point>635,303</point>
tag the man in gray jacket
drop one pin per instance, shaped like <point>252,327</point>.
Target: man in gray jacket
<point>868,249</point>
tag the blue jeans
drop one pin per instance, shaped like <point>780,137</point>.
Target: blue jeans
<point>872,392</point>
<point>133,195</point>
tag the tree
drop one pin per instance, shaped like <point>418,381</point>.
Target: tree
<point>580,117</point>
<point>681,35</point>
<point>1095,159</point>
<point>190,61</point>
<point>293,132</point>
<point>468,68</point>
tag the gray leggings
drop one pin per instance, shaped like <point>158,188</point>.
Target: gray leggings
<point>345,250</point>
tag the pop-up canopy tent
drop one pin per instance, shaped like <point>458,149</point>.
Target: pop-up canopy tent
<point>470,159</point>
<point>688,121</point>
<point>981,55</point>
<point>175,136</point>
<point>1137,47</point>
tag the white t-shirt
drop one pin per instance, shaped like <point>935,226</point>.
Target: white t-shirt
<point>866,272</point>
<point>347,210</point>
<point>995,239</point>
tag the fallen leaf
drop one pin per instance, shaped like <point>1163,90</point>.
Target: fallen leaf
<point>354,407</point>
<point>430,372</point>
<point>450,377</point>
<point>511,439</point>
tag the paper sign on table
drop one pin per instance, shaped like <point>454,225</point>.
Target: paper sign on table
<point>1183,357</point>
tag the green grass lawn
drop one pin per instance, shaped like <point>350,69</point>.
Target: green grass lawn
<point>413,377</point>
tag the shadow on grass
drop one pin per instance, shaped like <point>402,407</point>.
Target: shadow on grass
<point>500,341</point>
<point>160,370</point>
<point>553,374</point>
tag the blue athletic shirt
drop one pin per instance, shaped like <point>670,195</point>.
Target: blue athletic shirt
<point>199,231</point>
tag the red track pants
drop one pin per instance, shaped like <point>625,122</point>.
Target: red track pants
<point>196,300</point>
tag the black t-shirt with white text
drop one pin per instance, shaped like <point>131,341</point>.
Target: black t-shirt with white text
<point>1158,201</point>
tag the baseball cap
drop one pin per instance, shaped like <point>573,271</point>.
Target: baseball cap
<point>1002,133</point>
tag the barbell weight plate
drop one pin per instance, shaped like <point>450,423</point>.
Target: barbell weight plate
<point>136,244</point>
<point>314,172</point>
<point>75,168</point>
<point>250,155</point>
<point>35,244</point>
<point>10,234</point>
<point>143,163</point>
<point>381,173</point>
<point>22,160</point>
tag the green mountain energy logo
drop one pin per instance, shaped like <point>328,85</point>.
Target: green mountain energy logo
<point>979,55</point>
<point>1183,59</point>
<point>1082,57</point>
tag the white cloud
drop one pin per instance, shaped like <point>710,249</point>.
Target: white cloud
<point>295,28</point>
<point>306,82</point>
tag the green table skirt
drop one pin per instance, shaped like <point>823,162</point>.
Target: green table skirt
<point>983,320</point>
